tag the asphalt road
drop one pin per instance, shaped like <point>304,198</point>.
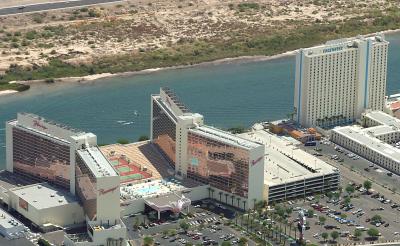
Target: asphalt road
<point>50,6</point>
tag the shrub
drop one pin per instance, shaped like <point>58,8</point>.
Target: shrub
<point>31,35</point>
<point>143,138</point>
<point>123,141</point>
<point>38,19</point>
<point>43,242</point>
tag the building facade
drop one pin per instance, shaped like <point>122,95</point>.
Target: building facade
<point>337,81</point>
<point>229,164</point>
<point>69,159</point>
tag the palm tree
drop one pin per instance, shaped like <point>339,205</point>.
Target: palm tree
<point>244,205</point>
<point>209,192</point>
<point>238,200</point>
<point>254,203</point>
<point>212,193</point>
<point>233,197</point>
<point>226,198</point>
<point>220,196</point>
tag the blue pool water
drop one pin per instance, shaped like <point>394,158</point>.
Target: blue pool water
<point>147,190</point>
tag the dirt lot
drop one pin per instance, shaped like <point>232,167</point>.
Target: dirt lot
<point>81,35</point>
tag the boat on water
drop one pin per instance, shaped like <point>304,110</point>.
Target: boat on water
<point>128,123</point>
<point>121,121</point>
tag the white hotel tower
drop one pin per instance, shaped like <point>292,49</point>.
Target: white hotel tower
<point>336,81</point>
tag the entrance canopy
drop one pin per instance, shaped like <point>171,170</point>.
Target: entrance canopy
<point>172,202</point>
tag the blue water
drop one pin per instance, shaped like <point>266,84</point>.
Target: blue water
<point>147,190</point>
<point>227,95</point>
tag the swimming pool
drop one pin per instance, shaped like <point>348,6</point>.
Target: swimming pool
<point>147,190</point>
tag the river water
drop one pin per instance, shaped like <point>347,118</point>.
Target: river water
<point>228,95</point>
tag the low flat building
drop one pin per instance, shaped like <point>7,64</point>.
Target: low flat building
<point>374,140</point>
<point>290,171</point>
<point>10,227</point>
<point>43,205</point>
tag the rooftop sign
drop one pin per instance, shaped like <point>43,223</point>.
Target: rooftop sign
<point>329,50</point>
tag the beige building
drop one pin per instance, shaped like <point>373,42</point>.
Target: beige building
<point>43,204</point>
<point>337,81</point>
<point>375,140</point>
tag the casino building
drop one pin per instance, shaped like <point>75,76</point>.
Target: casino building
<point>70,162</point>
<point>228,163</point>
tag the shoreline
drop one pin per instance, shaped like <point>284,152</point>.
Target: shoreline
<point>7,92</point>
<point>94,77</point>
<point>229,60</point>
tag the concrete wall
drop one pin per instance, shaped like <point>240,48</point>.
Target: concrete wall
<point>256,175</point>
<point>9,148</point>
<point>133,207</point>
<point>108,199</point>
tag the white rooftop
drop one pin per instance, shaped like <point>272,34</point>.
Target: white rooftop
<point>361,136</point>
<point>225,137</point>
<point>383,119</point>
<point>7,221</point>
<point>285,162</point>
<point>97,162</point>
<point>43,196</point>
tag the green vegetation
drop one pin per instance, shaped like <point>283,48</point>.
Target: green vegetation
<point>372,232</point>
<point>325,235</point>
<point>247,6</point>
<point>376,218</point>
<point>322,219</point>
<point>226,243</point>
<point>143,138</point>
<point>334,235</point>
<point>123,141</point>
<point>358,233</point>
<point>350,189</point>
<point>14,86</point>
<point>184,225</point>
<point>237,129</point>
<point>147,241</point>
<point>367,184</point>
<point>187,52</point>
<point>242,241</point>
<point>43,242</point>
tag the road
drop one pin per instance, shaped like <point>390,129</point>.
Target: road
<point>50,6</point>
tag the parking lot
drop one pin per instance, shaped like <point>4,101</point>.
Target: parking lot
<point>360,165</point>
<point>346,219</point>
<point>355,170</point>
<point>206,227</point>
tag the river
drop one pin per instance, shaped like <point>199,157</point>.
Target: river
<point>229,94</point>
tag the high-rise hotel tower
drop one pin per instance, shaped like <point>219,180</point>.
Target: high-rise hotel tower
<point>337,81</point>
<point>231,165</point>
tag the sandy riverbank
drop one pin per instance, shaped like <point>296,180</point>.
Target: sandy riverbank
<point>7,92</point>
<point>241,59</point>
<point>89,78</point>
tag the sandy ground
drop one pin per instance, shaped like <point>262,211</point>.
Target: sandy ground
<point>78,37</point>
<point>7,92</point>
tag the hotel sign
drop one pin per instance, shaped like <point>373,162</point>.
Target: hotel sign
<point>38,124</point>
<point>103,191</point>
<point>253,162</point>
<point>329,50</point>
